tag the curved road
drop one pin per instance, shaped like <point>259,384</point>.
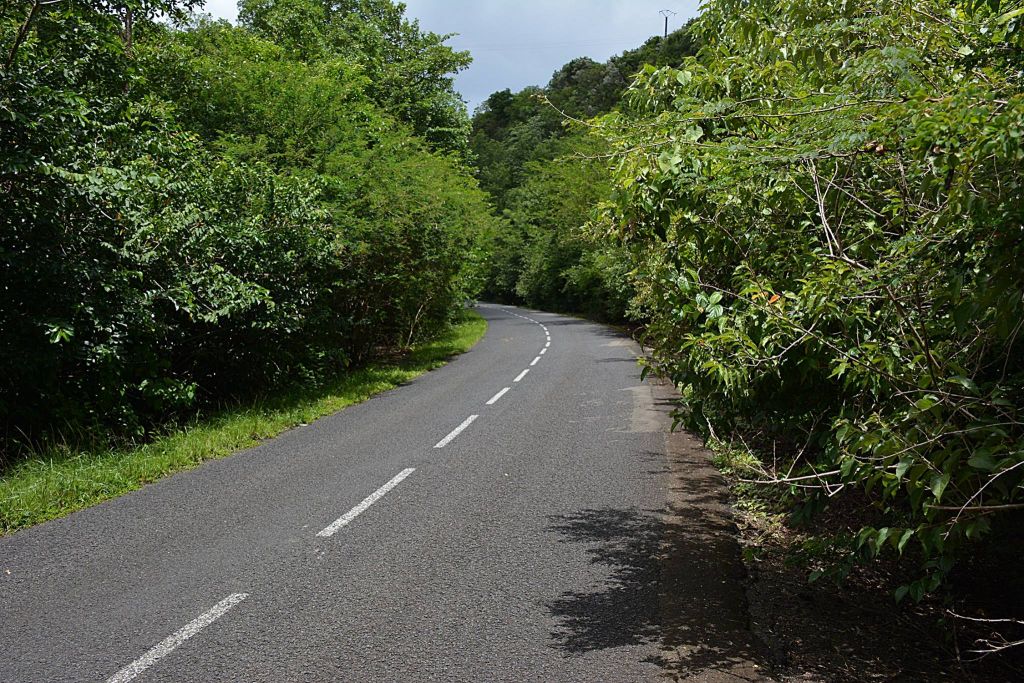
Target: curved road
<point>449,530</point>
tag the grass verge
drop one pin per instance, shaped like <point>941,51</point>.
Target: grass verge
<point>54,484</point>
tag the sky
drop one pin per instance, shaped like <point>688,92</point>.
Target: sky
<point>516,43</point>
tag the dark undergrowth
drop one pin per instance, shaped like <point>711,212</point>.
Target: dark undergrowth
<point>62,478</point>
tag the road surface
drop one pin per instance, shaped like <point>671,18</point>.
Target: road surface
<point>522,514</point>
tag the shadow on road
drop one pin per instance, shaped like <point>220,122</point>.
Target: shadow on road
<point>676,583</point>
<point>595,328</point>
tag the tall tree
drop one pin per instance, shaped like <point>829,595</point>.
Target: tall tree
<point>410,72</point>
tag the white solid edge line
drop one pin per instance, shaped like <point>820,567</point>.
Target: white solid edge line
<point>521,375</point>
<point>498,396</point>
<point>168,644</point>
<point>455,432</point>
<point>543,351</point>
<point>367,502</point>
<point>535,361</point>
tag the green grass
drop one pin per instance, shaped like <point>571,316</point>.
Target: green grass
<point>53,484</point>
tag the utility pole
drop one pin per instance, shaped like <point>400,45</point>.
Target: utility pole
<point>667,13</point>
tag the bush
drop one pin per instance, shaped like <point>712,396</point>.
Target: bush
<point>824,212</point>
<point>196,214</point>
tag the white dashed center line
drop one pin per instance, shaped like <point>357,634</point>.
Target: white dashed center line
<point>175,640</point>
<point>367,502</point>
<point>171,642</point>
<point>455,432</point>
<point>498,396</point>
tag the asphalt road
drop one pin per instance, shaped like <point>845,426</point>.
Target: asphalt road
<point>562,535</point>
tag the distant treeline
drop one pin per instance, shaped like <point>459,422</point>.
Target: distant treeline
<point>195,212</point>
<point>546,175</point>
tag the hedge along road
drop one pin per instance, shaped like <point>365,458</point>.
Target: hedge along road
<point>521,514</point>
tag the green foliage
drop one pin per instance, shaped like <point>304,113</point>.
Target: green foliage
<point>405,220</point>
<point>548,177</point>
<point>544,255</point>
<point>408,72</point>
<point>192,215</point>
<point>509,129</point>
<point>58,480</point>
<point>824,214</point>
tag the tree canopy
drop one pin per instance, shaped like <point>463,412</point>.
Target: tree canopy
<point>547,175</point>
<point>198,212</point>
<point>408,72</point>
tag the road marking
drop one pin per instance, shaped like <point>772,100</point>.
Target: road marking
<point>168,644</point>
<point>543,351</point>
<point>367,502</point>
<point>521,375</point>
<point>548,345</point>
<point>498,396</point>
<point>455,432</point>
<point>535,361</point>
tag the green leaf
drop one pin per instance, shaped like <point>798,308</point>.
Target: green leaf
<point>903,466</point>
<point>59,334</point>
<point>966,383</point>
<point>925,403</point>
<point>842,432</point>
<point>982,461</point>
<point>938,485</point>
<point>907,535</point>
<point>847,467</point>
<point>1010,16</point>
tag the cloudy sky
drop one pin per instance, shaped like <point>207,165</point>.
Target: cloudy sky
<point>516,43</point>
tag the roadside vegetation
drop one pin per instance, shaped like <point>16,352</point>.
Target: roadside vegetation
<point>814,211</point>
<point>196,213</point>
<point>547,176</point>
<point>59,480</point>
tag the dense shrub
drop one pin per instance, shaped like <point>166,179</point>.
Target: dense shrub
<point>546,255</point>
<point>824,209</point>
<point>194,214</point>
